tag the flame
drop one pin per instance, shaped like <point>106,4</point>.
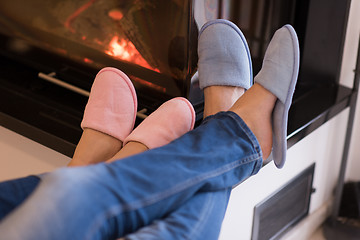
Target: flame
<point>125,50</point>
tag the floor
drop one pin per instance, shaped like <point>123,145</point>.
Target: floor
<point>344,230</point>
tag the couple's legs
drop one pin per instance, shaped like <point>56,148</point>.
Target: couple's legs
<point>210,170</point>
<point>120,197</point>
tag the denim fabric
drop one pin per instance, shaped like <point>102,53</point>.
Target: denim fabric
<point>14,192</point>
<point>106,201</point>
<point>199,218</point>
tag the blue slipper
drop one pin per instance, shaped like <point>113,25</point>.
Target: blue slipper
<point>224,56</point>
<point>279,75</point>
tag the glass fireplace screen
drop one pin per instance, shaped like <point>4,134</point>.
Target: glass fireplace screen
<point>149,40</point>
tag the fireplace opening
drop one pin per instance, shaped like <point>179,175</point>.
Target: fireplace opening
<point>149,38</point>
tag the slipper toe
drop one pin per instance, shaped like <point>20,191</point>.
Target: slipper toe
<point>224,55</point>
<point>112,104</point>
<point>170,121</point>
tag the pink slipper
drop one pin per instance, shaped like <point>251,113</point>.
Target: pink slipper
<point>112,104</point>
<point>170,121</point>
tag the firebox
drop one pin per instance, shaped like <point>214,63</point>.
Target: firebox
<point>152,41</point>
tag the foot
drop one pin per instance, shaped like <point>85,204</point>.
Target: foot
<point>170,121</point>
<point>278,75</point>
<point>225,69</point>
<point>94,147</point>
<point>265,107</point>
<point>220,98</point>
<point>224,56</point>
<point>112,105</point>
<point>255,108</point>
<point>129,149</point>
<point>109,117</point>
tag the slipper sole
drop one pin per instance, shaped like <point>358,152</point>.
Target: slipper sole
<point>281,110</point>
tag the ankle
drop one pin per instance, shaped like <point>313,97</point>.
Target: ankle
<point>220,98</point>
<point>131,148</point>
<point>94,147</point>
<point>255,108</point>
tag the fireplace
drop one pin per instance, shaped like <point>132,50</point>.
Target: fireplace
<point>51,51</point>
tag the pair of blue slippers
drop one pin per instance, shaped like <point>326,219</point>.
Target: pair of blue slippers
<point>224,59</point>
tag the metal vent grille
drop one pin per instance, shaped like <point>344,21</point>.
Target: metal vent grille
<point>286,207</point>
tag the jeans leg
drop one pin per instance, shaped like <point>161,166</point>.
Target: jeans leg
<point>111,200</point>
<point>199,218</point>
<point>14,192</point>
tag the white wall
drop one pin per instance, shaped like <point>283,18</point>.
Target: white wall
<point>346,78</point>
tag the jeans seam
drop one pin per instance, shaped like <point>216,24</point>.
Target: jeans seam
<point>252,138</point>
<point>240,123</point>
<point>204,215</point>
<point>246,130</point>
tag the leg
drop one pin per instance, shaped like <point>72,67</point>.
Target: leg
<point>14,192</point>
<point>123,196</point>
<point>94,147</point>
<point>199,218</point>
<point>255,108</point>
<point>225,68</point>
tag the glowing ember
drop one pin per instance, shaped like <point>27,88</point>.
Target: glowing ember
<point>116,14</point>
<point>87,60</point>
<point>125,50</point>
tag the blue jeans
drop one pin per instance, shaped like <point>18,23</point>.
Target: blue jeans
<point>106,201</point>
<point>199,218</point>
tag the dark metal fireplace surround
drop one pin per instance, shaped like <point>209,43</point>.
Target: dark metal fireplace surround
<point>154,42</point>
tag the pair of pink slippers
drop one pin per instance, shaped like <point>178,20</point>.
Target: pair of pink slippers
<point>112,107</point>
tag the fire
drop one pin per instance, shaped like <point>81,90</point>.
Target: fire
<point>125,50</point>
